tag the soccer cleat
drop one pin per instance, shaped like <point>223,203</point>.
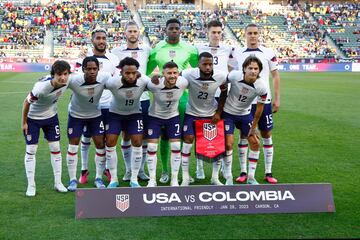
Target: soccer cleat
<point>72,185</point>
<point>151,183</point>
<point>142,176</point>
<point>252,181</point>
<point>134,184</point>
<point>191,179</point>
<point>174,182</point>
<point>164,177</point>
<point>31,191</point>
<point>185,182</point>
<point>127,176</point>
<point>200,174</point>
<point>83,177</point>
<point>270,179</point>
<point>59,187</point>
<point>242,178</point>
<point>113,185</point>
<point>216,181</point>
<point>229,181</point>
<point>107,174</point>
<point>99,183</point>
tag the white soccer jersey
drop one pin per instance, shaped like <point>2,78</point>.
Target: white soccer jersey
<point>108,64</point>
<point>221,54</point>
<point>126,98</point>
<point>202,101</point>
<point>141,54</point>
<point>242,94</point>
<point>166,100</point>
<point>43,99</point>
<point>267,58</point>
<point>85,100</point>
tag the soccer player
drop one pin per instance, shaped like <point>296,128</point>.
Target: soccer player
<point>108,63</point>
<point>222,53</point>
<point>245,87</point>
<point>164,114</point>
<point>203,82</point>
<point>40,112</point>
<point>125,115</point>
<point>269,62</point>
<point>141,54</point>
<point>183,54</point>
<point>84,112</point>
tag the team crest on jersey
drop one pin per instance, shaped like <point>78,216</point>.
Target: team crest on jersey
<point>91,91</point>
<point>150,132</point>
<point>70,131</point>
<point>213,51</point>
<point>28,137</point>
<point>129,94</point>
<point>101,65</point>
<point>169,94</point>
<point>122,202</point>
<point>245,90</point>
<point>85,128</point>
<point>227,127</point>
<point>185,128</point>
<point>134,55</point>
<point>209,131</point>
<point>205,86</point>
<point>106,127</point>
<point>172,53</point>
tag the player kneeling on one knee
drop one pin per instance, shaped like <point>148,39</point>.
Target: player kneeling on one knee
<point>245,87</point>
<point>164,115</point>
<point>40,112</point>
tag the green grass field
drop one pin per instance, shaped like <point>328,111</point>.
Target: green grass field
<point>316,140</point>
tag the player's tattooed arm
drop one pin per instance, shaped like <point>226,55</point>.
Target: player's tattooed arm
<point>217,116</point>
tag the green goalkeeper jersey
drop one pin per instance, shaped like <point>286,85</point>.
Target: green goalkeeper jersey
<point>181,53</point>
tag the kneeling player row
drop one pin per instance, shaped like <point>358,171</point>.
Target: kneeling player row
<point>124,114</point>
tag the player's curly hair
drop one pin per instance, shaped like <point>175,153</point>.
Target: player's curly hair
<point>249,60</point>
<point>128,61</point>
<point>172,20</point>
<point>90,59</point>
<point>205,55</point>
<point>59,67</point>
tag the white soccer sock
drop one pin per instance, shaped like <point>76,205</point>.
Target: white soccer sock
<point>126,153</point>
<point>144,151</point>
<point>30,163</point>
<point>268,153</point>
<point>56,160</point>
<point>199,164</point>
<point>85,146</point>
<point>112,161</point>
<point>253,159</point>
<point>243,149</point>
<point>185,160</point>
<point>136,159</point>
<point>100,162</point>
<point>151,158</point>
<point>216,169</point>
<point>227,164</point>
<point>175,159</point>
<point>72,159</point>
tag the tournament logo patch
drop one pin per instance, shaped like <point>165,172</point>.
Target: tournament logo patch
<point>91,91</point>
<point>122,202</point>
<point>169,94</point>
<point>172,53</point>
<point>209,131</point>
<point>150,132</point>
<point>134,55</point>
<point>28,137</point>
<point>101,65</point>
<point>205,86</point>
<point>129,94</point>
<point>70,130</point>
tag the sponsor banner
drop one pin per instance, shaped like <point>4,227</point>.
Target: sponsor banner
<point>316,67</point>
<point>356,67</point>
<point>30,67</point>
<point>210,140</point>
<point>203,200</point>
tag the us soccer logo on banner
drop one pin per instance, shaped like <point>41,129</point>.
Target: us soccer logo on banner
<point>210,131</point>
<point>122,202</point>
